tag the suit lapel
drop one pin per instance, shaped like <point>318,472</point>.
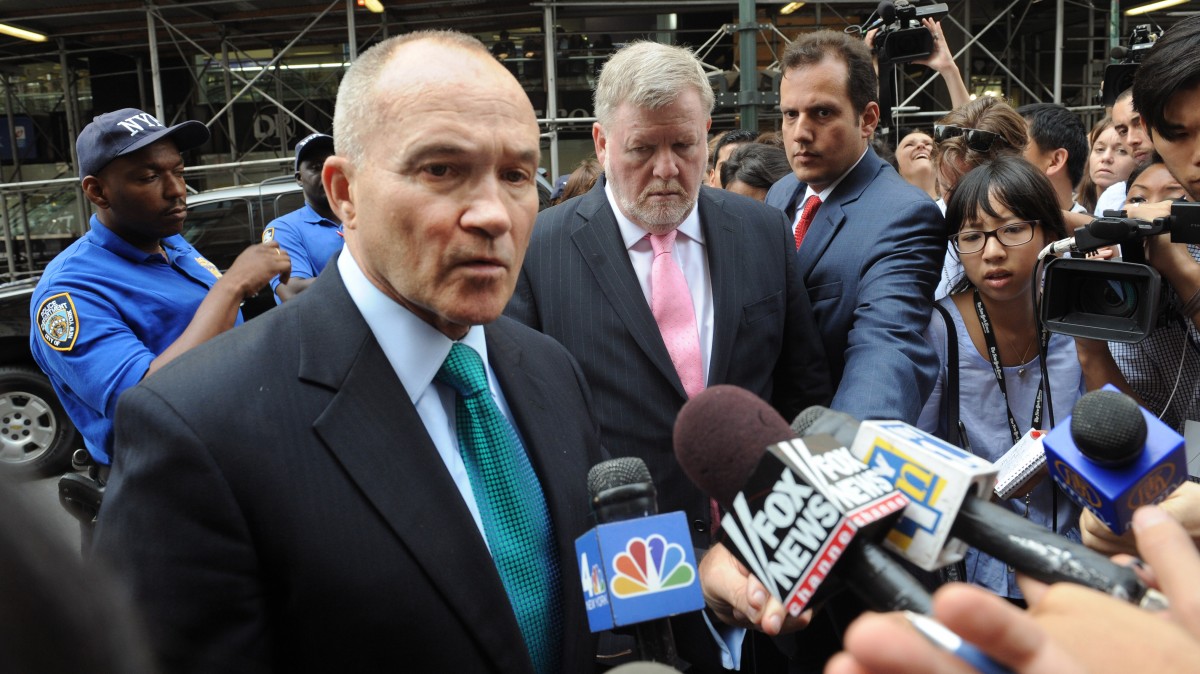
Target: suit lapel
<point>598,239</point>
<point>723,248</point>
<point>831,216</point>
<point>375,433</point>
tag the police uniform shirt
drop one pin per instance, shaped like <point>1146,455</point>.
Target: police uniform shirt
<point>102,311</point>
<point>309,239</point>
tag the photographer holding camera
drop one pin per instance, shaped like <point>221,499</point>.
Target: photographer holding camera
<point>1156,344</point>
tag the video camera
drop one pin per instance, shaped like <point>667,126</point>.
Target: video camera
<point>902,38</point>
<point>1112,301</point>
<point>1119,76</point>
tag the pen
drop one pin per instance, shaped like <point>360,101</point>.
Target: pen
<point>943,638</point>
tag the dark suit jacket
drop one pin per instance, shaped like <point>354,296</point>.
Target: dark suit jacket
<point>870,262</point>
<point>578,286</point>
<point>276,503</point>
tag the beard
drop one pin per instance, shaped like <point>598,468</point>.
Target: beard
<point>655,215</point>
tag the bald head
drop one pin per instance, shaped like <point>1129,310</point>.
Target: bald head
<point>416,64</point>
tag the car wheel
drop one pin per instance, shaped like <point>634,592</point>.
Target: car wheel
<point>36,436</point>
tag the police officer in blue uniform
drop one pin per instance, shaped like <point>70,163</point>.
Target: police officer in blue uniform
<point>311,234</point>
<point>132,293</point>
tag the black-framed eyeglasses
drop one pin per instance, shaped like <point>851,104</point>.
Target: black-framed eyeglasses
<point>970,241</point>
<point>976,139</point>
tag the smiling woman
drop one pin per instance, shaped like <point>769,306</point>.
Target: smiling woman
<point>914,161</point>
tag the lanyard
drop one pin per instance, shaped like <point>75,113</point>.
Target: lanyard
<point>994,353</point>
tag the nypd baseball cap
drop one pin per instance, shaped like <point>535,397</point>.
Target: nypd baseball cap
<point>312,143</point>
<point>116,134</point>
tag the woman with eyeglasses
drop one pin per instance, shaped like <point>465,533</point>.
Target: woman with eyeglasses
<point>1003,213</point>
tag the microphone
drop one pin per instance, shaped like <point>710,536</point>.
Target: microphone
<point>948,490</point>
<point>1112,457</point>
<point>637,568</point>
<point>798,510</point>
<point>887,15</point>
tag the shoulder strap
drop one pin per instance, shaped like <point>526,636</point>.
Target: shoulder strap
<point>950,392</point>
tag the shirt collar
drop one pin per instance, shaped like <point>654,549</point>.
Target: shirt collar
<point>415,349</point>
<point>824,194</point>
<point>107,239</point>
<point>310,214</point>
<point>632,233</point>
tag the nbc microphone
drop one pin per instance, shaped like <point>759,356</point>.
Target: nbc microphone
<point>798,510</point>
<point>637,568</point>
<point>948,490</point>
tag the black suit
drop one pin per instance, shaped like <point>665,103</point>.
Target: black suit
<point>578,286</point>
<point>277,504</point>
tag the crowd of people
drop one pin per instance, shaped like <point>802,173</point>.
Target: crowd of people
<point>389,469</point>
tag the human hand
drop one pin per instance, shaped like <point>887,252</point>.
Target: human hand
<point>940,59</point>
<point>256,266</point>
<point>1182,505</point>
<point>1109,635</point>
<point>737,598</point>
<point>886,644</point>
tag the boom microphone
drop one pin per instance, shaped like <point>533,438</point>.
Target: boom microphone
<point>799,510</point>
<point>948,491</point>
<point>637,568</point>
<point>1112,457</point>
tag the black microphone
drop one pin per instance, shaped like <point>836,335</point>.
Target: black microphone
<point>948,489</point>
<point>798,511</point>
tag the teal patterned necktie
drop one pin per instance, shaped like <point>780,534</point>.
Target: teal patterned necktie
<point>515,518</point>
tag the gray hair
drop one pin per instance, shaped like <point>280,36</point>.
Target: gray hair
<point>356,104</point>
<point>649,75</point>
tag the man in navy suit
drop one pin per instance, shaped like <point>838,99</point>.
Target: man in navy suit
<point>301,495</point>
<point>597,271</point>
<point>872,251</point>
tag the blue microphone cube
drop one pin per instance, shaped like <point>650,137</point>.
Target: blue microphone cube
<point>638,570</point>
<point>1112,494</point>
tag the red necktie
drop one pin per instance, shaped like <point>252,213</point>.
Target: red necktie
<point>806,217</point>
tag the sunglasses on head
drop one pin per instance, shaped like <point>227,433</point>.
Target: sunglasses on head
<point>976,139</point>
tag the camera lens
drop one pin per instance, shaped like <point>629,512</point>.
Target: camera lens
<point>1109,297</point>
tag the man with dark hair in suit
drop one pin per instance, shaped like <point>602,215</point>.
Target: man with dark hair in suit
<point>869,245</point>
<point>661,286</point>
<point>398,483</point>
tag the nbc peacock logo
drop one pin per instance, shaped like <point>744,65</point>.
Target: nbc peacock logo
<point>650,565</point>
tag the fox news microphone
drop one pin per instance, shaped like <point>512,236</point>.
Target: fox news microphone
<point>637,568</point>
<point>948,491</point>
<point>798,510</point>
<point>1112,457</point>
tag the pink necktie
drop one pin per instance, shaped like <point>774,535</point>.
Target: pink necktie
<point>671,304</point>
<point>806,217</point>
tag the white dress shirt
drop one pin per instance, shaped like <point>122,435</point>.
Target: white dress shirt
<point>416,351</point>
<point>689,253</point>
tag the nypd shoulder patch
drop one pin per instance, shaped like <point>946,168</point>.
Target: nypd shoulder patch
<point>200,260</point>
<point>268,234</point>
<point>58,322</point>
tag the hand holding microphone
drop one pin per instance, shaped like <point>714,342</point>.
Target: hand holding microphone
<point>949,489</point>
<point>1068,628</point>
<point>797,513</point>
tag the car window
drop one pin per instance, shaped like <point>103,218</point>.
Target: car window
<point>220,230</point>
<point>286,203</point>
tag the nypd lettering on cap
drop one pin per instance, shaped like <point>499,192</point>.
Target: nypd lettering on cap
<point>58,322</point>
<point>139,122</point>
